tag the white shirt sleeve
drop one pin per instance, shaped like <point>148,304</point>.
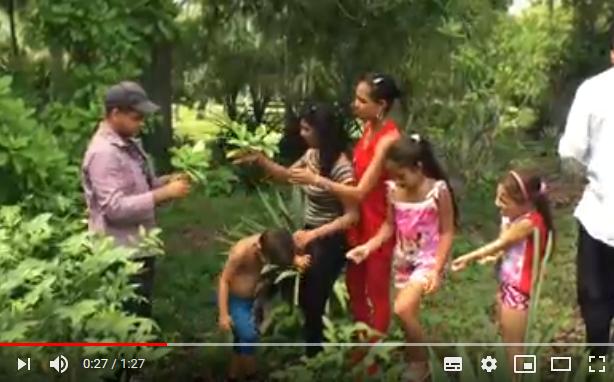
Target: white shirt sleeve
<point>575,141</point>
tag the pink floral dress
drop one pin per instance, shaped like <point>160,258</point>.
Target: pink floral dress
<point>417,236</point>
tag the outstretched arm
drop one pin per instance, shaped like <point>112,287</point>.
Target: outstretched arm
<point>368,181</point>
<point>272,168</point>
<point>385,232</point>
<point>514,234</point>
<point>446,229</point>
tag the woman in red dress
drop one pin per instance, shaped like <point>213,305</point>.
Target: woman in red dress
<point>368,282</point>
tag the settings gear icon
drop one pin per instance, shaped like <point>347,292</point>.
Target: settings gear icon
<point>489,364</point>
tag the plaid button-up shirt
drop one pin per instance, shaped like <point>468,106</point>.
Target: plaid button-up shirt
<point>118,181</point>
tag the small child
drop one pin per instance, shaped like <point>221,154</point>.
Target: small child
<point>422,215</point>
<point>522,200</point>
<point>238,286</point>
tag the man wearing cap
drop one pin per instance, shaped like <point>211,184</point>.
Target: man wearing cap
<point>587,141</point>
<point>120,188</point>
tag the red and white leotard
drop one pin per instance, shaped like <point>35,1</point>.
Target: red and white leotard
<point>516,272</point>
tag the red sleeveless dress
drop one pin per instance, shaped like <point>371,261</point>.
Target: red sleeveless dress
<point>369,282</point>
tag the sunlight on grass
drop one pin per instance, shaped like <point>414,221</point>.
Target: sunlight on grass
<point>188,124</point>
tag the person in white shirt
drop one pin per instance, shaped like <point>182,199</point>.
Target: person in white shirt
<point>589,140</point>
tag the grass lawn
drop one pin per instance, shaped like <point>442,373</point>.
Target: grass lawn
<point>186,123</point>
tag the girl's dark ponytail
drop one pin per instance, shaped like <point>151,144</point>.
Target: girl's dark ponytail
<point>539,196</point>
<point>433,169</point>
<point>542,205</point>
<point>413,151</point>
<point>523,185</point>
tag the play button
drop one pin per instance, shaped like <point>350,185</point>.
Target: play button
<point>21,364</point>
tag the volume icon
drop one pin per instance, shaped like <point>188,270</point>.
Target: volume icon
<point>60,364</point>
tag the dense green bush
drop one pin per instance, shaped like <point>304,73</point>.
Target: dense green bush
<point>498,81</point>
<point>62,284</point>
<point>33,166</point>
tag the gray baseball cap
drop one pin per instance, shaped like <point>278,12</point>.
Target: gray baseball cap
<point>128,94</point>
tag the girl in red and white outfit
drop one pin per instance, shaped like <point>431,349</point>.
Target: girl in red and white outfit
<point>368,282</point>
<point>522,200</point>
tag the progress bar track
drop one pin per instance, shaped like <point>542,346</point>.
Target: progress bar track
<point>392,344</point>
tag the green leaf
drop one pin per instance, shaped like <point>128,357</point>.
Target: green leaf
<point>166,32</point>
<point>77,313</point>
<point>284,275</point>
<point>272,213</point>
<point>5,84</point>
<point>4,158</point>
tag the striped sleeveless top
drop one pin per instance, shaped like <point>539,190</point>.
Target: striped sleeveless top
<point>322,207</point>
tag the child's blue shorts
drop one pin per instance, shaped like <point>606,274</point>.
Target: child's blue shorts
<point>243,324</point>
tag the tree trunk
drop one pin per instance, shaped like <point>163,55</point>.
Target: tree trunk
<point>157,80</point>
<point>260,101</point>
<point>11,11</point>
<point>201,108</point>
<point>56,71</point>
<point>230,104</point>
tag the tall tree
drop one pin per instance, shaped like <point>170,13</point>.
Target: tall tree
<point>11,9</point>
<point>157,80</point>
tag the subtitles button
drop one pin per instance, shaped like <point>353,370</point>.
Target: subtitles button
<point>453,364</point>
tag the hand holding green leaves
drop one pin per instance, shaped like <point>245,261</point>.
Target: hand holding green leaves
<point>174,189</point>
<point>247,156</point>
<point>260,139</point>
<point>192,160</point>
<point>165,179</point>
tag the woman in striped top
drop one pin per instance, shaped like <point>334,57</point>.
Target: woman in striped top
<point>327,217</point>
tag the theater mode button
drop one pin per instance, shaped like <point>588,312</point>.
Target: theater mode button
<point>23,364</point>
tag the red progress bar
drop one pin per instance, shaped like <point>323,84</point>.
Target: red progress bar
<point>83,344</point>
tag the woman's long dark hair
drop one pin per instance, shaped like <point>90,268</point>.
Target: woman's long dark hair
<point>535,190</point>
<point>333,139</point>
<point>414,151</point>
